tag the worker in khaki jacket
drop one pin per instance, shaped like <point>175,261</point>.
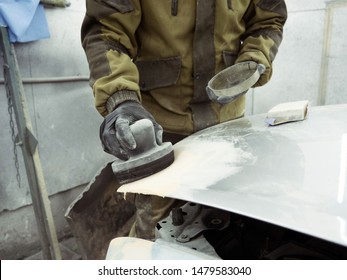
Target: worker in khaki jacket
<point>152,59</point>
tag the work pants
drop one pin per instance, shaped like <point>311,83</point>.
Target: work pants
<point>151,209</point>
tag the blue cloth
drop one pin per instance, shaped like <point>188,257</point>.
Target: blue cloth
<point>25,19</point>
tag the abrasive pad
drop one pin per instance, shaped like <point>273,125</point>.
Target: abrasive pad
<point>147,158</point>
<point>287,112</point>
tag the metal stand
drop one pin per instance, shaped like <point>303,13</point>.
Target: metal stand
<point>41,203</point>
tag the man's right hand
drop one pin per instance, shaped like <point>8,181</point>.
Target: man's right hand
<point>115,133</point>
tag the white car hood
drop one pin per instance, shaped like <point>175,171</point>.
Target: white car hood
<point>292,175</point>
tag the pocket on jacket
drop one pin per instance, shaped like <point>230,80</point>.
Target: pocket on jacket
<point>159,73</point>
<point>229,58</point>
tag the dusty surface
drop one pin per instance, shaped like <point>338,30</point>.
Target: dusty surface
<point>198,164</point>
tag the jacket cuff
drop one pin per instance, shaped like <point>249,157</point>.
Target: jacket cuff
<point>119,97</point>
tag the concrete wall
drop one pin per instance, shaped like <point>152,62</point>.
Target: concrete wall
<point>310,65</point>
<point>65,123</point>
<point>62,114</point>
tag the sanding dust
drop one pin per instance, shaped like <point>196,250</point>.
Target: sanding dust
<point>198,164</point>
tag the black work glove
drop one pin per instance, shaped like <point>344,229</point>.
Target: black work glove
<point>115,133</point>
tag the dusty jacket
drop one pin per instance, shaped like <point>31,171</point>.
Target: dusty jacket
<point>163,53</point>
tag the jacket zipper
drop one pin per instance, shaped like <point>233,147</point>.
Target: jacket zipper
<point>174,7</point>
<point>230,4</point>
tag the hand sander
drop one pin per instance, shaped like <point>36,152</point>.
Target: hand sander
<point>147,158</point>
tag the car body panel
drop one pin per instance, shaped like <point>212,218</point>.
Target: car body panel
<point>292,175</point>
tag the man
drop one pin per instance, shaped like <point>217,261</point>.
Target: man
<point>153,59</point>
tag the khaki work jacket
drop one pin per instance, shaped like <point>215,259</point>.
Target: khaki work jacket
<point>163,53</point>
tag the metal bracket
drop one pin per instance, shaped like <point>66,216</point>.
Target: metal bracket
<point>30,140</point>
<point>202,218</point>
<point>185,227</point>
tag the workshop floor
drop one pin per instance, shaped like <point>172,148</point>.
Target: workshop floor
<point>69,251</point>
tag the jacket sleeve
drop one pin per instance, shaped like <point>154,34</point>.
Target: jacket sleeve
<point>108,38</point>
<point>264,30</point>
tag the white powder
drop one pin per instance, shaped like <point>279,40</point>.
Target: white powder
<point>198,164</point>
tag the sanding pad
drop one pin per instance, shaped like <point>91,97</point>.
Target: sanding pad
<point>147,158</point>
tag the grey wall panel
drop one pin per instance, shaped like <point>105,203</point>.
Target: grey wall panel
<point>337,58</point>
<point>67,128</point>
<point>62,114</point>
<point>312,58</point>
<point>11,194</point>
<point>297,66</point>
<point>299,5</point>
